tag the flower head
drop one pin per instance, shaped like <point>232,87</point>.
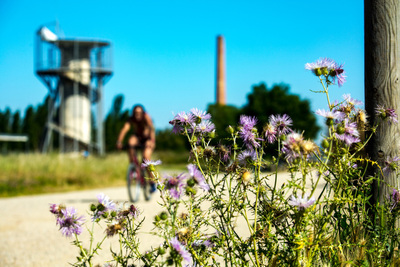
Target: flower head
<point>105,205</point>
<point>391,164</point>
<point>247,131</point>
<point>175,185</point>
<point>196,174</point>
<point>386,114</point>
<point>56,209</point>
<point>329,69</point>
<point>281,123</point>
<point>247,122</point>
<point>224,152</point>
<point>270,133</point>
<point>394,198</point>
<point>69,222</point>
<point>321,67</point>
<point>200,115</point>
<point>246,157</point>
<point>301,202</point>
<point>204,127</point>
<point>181,120</point>
<point>347,132</point>
<point>331,116</point>
<point>178,247</point>
<point>150,164</point>
<point>337,72</point>
<point>295,147</point>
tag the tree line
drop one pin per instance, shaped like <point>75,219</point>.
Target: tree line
<point>261,103</point>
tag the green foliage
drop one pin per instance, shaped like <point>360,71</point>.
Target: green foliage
<point>223,116</point>
<point>166,140</point>
<point>114,121</point>
<point>263,102</point>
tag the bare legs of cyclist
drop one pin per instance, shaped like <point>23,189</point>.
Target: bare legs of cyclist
<point>147,152</point>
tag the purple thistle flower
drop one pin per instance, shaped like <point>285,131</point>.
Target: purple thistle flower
<point>196,174</point>
<point>348,139</point>
<point>204,127</point>
<point>301,202</point>
<point>394,198</point>
<point>147,163</point>
<point>69,222</point>
<point>201,115</point>
<point>352,101</point>
<point>349,133</point>
<point>247,156</point>
<point>247,122</point>
<point>55,209</point>
<point>175,185</point>
<point>178,247</point>
<point>180,121</point>
<point>328,68</point>
<point>270,133</point>
<point>105,205</point>
<point>281,123</point>
<point>246,131</point>
<point>333,115</point>
<point>185,118</point>
<point>249,138</point>
<point>391,165</point>
<point>337,72</point>
<point>322,63</point>
<point>224,153</point>
<point>386,113</point>
<point>291,147</point>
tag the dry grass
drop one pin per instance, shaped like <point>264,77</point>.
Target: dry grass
<point>26,174</point>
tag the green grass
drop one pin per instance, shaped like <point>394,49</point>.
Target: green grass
<point>27,174</point>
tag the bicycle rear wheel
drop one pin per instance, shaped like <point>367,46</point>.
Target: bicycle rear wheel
<point>132,183</point>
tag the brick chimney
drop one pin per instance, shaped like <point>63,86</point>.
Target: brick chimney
<point>221,84</point>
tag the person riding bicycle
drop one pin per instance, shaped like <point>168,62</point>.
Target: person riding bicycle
<point>143,136</point>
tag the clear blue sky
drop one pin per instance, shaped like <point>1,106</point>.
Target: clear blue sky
<point>164,51</point>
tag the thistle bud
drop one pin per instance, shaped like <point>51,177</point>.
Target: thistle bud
<point>230,129</point>
<point>329,122</point>
<point>92,207</point>
<point>211,134</point>
<point>161,250</point>
<point>325,143</point>
<point>324,71</point>
<point>317,72</point>
<point>191,182</point>
<point>163,215</point>
<point>340,130</point>
<point>151,168</point>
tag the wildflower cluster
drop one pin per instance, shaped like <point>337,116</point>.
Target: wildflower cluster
<point>195,121</point>
<point>319,212</point>
<point>68,220</point>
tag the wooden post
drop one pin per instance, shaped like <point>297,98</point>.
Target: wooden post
<point>382,84</point>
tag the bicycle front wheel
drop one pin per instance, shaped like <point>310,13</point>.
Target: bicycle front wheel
<point>132,183</point>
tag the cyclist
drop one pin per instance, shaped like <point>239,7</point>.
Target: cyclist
<point>143,136</point>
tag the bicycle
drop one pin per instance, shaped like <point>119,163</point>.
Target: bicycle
<point>136,180</point>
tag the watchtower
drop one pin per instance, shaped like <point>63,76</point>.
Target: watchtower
<point>74,71</point>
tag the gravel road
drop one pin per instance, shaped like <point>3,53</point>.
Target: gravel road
<point>30,237</point>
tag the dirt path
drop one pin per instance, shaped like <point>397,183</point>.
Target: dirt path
<point>30,237</point>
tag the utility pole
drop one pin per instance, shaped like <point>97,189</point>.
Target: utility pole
<point>382,83</point>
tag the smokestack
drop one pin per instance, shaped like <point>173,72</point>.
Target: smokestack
<point>221,95</point>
